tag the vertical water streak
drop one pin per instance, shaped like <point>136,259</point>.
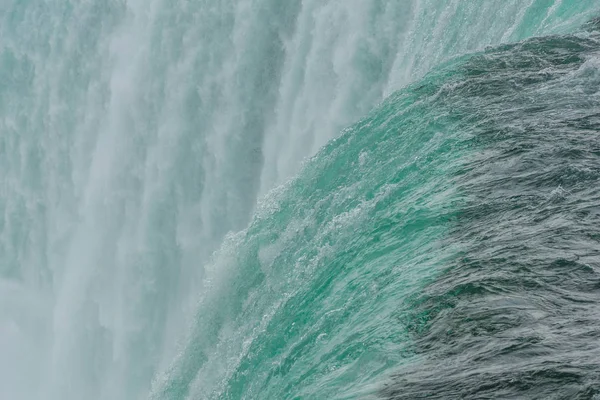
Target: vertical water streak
<point>134,135</point>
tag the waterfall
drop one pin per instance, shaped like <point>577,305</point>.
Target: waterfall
<point>136,136</point>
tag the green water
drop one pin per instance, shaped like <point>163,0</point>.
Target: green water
<point>253,199</point>
<point>314,286</point>
<point>331,282</point>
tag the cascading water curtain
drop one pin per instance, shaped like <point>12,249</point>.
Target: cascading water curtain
<point>303,199</point>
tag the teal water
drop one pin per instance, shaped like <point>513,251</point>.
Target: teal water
<point>259,200</point>
<point>514,314</point>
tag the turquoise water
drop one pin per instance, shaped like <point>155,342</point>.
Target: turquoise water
<point>259,200</point>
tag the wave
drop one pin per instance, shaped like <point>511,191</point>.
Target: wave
<point>447,239</point>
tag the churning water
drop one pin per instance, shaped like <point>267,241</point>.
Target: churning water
<point>267,199</point>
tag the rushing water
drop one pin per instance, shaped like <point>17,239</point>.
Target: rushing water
<point>261,199</point>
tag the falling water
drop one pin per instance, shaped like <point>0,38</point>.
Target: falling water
<point>138,138</point>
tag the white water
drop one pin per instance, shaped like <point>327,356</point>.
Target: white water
<point>135,134</point>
